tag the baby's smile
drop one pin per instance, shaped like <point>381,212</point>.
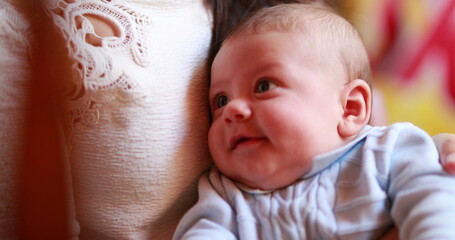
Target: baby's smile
<point>238,142</point>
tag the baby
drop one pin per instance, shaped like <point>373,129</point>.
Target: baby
<point>295,157</point>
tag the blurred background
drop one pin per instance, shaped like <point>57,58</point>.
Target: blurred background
<point>412,49</point>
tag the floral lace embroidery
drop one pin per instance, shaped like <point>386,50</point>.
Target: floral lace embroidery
<point>98,81</point>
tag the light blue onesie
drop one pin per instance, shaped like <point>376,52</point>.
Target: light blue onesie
<point>386,175</point>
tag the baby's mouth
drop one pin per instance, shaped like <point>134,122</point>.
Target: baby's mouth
<point>241,140</point>
<point>235,141</point>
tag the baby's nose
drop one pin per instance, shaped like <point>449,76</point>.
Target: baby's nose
<point>237,110</point>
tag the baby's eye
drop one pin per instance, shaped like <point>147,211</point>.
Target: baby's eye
<point>221,101</point>
<point>264,85</point>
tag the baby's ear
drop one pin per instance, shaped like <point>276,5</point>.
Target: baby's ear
<point>356,103</point>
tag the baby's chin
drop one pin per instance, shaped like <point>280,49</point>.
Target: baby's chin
<point>268,177</point>
<point>266,184</point>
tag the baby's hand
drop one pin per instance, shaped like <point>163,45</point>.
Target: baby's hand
<point>446,147</point>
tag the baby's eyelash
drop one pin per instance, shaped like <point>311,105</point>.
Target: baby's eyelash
<point>264,85</point>
<point>218,101</point>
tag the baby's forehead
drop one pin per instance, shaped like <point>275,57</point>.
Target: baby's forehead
<point>313,47</point>
<point>297,24</point>
<point>307,34</point>
<point>299,50</point>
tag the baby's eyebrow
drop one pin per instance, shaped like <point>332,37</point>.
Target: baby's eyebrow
<point>212,96</point>
<point>217,86</point>
<point>213,92</point>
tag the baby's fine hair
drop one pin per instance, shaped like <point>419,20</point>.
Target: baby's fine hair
<point>327,29</point>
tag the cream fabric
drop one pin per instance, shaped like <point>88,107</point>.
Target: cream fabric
<point>137,115</point>
<point>137,119</point>
<point>14,76</point>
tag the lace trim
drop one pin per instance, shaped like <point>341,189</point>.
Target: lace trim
<point>71,17</point>
<point>98,81</point>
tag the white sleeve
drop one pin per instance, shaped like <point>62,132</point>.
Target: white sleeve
<point>211,218</point>
<point>423,195</point>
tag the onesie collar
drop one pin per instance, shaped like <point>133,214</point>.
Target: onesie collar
<point>322,161</point>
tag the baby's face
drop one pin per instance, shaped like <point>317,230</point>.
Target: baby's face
<point>273,109</point>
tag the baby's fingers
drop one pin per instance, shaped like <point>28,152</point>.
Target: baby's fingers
<point>446,147</point>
